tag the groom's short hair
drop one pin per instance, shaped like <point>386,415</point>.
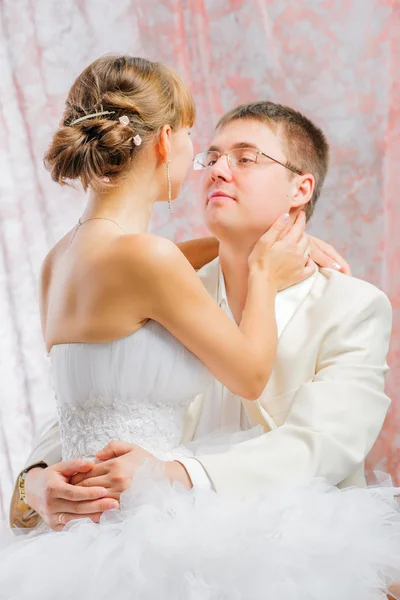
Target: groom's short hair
<point>304,143</point>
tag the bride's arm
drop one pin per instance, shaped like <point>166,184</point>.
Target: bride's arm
<point>199,252</point>
<point>165,288</point>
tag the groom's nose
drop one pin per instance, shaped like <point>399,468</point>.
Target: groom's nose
<point>221,169</point>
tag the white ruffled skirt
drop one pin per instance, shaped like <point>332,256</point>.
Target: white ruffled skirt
<point>165,543</point>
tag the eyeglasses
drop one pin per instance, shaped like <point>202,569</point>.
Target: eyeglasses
<point>239,158</point>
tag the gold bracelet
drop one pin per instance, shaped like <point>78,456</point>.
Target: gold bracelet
<point>22,477</point>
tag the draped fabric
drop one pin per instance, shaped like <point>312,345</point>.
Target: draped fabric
<point>338,62</point>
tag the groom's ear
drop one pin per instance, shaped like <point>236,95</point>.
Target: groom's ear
<point>303,189</point>
<point>164,143</point>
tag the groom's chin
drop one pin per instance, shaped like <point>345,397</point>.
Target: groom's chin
<point>219,220</point>
<point>224,226</point>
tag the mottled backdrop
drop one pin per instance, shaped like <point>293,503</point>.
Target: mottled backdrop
<point>337,61</point>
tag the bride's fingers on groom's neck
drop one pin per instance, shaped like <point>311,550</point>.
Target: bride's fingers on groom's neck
<point>330,257</point>
<point>278,229</point>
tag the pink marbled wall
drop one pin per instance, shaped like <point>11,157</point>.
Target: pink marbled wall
<point>337,61</point>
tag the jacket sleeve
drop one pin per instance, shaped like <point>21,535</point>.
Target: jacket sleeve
<point>47,450</point>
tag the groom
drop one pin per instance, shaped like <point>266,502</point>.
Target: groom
<point>324,405</point>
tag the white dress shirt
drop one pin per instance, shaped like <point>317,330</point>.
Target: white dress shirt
<point>221,409</point>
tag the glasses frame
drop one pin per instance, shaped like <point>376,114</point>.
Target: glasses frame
<point>258,152</point>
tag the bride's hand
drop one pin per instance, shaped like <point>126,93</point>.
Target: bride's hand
<point>325,256</point>
<point>119,461</point>
<point>283,254</point>
<point>118,464</point>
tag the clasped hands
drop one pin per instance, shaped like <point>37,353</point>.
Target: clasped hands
<point>77,489</point>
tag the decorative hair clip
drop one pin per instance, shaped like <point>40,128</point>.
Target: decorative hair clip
<point>124,120</point>
<point>105,179</point>
<point>137,140</point>
<point>93,116</point>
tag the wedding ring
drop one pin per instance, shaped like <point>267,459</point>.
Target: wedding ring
<point>308,253</point>
<point>60,518</point>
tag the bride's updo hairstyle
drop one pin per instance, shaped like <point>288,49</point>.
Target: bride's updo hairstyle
<point>137,98</point>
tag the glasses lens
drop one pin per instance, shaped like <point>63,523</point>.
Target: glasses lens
<point>204,160</point>
<point>243,157</point>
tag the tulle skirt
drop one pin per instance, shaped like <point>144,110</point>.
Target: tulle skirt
<point>166,543</point>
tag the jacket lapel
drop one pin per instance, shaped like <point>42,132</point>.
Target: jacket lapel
<point>306,303</point>
<point>288,304</point>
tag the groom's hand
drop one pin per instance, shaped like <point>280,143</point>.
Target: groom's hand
<point>119,462</point>
<point>50,493</point>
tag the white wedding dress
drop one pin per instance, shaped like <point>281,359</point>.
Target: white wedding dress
<point>166,543</point>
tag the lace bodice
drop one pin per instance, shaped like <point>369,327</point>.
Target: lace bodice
<point>135,389</point>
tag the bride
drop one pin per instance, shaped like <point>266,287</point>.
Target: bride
<point>133,336</point>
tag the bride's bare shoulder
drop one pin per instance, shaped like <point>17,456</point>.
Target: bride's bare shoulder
<point>143,252</point>
<point>51,258</point>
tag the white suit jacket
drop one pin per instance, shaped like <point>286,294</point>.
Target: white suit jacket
<point>324,405</point>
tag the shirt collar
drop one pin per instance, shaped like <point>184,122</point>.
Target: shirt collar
<point>221,295</point>
<point>286,300</point>
<point>287,294</point>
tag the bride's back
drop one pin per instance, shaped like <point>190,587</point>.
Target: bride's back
<point>85,296</point>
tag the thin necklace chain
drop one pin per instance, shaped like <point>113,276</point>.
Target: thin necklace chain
<point>80,223</point>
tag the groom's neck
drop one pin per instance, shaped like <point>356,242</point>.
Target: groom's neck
<point>234,262</point>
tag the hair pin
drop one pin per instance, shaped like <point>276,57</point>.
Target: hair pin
<point>124,120</point>
<point>137,140</point>
<point>92,116</point>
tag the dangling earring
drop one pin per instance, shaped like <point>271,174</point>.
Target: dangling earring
<point>169,187</point>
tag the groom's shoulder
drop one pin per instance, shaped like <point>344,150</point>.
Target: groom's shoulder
<point>346,293</point>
